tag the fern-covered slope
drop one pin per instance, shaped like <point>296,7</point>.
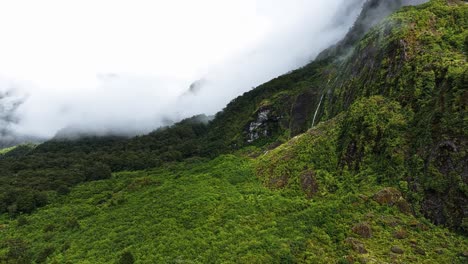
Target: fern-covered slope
<point>219,212</point>
<point>389,141</point>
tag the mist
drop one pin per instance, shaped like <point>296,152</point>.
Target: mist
<point>129,67</point>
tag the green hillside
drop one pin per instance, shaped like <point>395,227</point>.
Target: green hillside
<point>218,211</point>
<point>6,150</point>
<point>359,156</point>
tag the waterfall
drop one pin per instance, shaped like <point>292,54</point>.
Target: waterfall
<point>316,111</point>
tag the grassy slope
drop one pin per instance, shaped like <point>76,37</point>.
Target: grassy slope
<point>219,210</point>
<point>416,57</point>
<point>6,150</point>
<point>216,211</point>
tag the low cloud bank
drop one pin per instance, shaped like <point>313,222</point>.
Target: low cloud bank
<point>188,81</point>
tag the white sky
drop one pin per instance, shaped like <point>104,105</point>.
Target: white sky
<point>123,64</point>
<point>173,37</point>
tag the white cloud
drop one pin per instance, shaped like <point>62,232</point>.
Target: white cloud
<point>122,65</point>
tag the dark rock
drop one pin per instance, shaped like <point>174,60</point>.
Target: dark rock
<point>356,245</point>
<point>400,234</point>
<point>390,221</point>
<point>363,229</point>
<point>444,203</point>
<point>302,111</point>
<point>403,206</point>
<point>419,251</point>
<point>433,208</point>
<point>397,250</point>
<point>263,124</point>
<point>388,196</point>
<point>372,13</point>
<point>279,182</point>
<point>273,145</point>
<point>392,197</point>
<point>309,184</point>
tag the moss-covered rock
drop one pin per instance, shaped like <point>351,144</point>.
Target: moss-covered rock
<point>397,250</point>
<point>363,229</point>
<point>356,245</point>
<point>387,196</point>
<point>400,234</point>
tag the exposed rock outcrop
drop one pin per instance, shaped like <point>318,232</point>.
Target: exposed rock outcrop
<point>263,126</point>
<point>356,245</point>
<point>392,197</point>
<point>309,183</point>
<point>363,229</point>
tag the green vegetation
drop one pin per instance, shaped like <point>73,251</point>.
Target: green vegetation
<point>55,166</point>
<point>217,211</point>
<point>379,177</point>
<point>6,150</point>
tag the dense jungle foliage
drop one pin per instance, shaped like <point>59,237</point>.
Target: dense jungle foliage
<point>218,211</point>
<point>359,156</point>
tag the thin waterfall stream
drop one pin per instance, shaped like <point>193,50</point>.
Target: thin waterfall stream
<point>316,111</point>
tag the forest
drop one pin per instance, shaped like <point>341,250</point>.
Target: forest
<point>379,177</point>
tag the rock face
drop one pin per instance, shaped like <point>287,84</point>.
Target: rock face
<point>419,251</point>
<point>263,126</point>
<point>309,183</point>
<point>444,203</point>
<point>258,127</point>
<point>397,250</point>
<point>392,197</point>
<point>372,13</point>
<point>363,229</point>
<point>302,111</point>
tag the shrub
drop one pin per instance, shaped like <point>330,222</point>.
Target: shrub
<point>98,171</point>
<point>72,223</point>
<point>22,221</point>
<point>63,190</point>
<point>44,254</point>
<point>18,251</point>
<point>126,258</point>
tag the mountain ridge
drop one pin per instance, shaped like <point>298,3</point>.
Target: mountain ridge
<point>390,125</point>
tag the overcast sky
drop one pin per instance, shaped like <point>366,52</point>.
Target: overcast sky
<point>104,65</point>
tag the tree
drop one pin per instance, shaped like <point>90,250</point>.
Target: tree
<point>126,258</point>
<point>18,251</point>
<point>98,171</point>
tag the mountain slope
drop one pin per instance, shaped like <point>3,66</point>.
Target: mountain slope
<point>416,59</point>
<point>388,147</point>
<point>217,211</point>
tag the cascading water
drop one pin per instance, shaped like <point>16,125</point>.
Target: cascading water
<point>316,111</point>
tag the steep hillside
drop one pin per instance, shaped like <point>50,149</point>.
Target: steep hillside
<point>415,60</point>
<point>361,155</point>
<point>218,211</point>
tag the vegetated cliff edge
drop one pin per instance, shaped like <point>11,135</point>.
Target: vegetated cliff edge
<point>396,92</point>
<point>414,132</point>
